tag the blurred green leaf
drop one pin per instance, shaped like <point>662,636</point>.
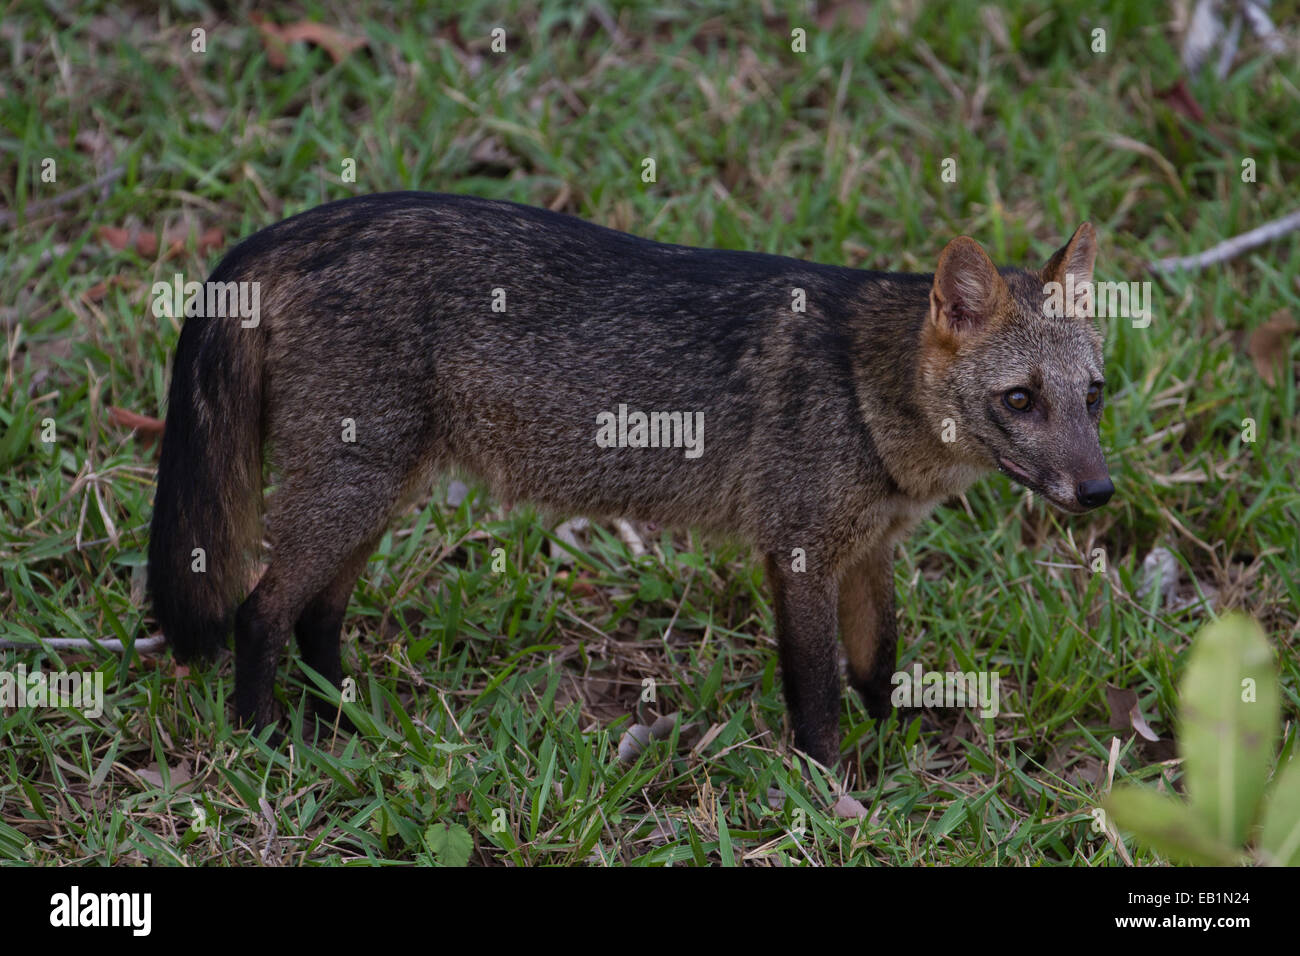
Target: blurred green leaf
<point>1229,725</point>
<point>1280,840</point>
<point>1169,826</point>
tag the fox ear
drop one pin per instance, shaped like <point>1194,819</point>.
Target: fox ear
<point>967,288</point>
<point>1076,257</point>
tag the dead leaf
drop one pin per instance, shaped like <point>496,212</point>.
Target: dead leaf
<point>210,239</point>
<point>119,239</point>
<point>1138,723</point>
<point>151,777</point>
<point>141,423</point>
<point>176,237</point>
<point>849,808</point>
<point>149,430</point>
<point>180,774</point>
<point>98,291</point>
<point>276,38</point>
<point>1269,345</point>
<point>581,586</point>
<point>145,242</point>
<point>1120,702</point>
<point>1181,101</point>
<point>1125,713</point>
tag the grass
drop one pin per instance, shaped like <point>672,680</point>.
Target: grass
<point>491,704</point>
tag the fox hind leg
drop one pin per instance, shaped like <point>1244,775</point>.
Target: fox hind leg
<point>319,631</point>
<point>323,531</point>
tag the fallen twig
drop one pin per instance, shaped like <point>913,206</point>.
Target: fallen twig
<point>39,206</point>
<point>145,645</point>
<point>1233,247</point>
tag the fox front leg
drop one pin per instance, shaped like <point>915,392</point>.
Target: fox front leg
<point>869,628</point>
<point>804,605</point>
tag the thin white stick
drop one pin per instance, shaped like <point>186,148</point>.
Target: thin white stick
<point>1233,247</point>
<point>1229,51</point>
<point>146,645</point>
<point>1257,14</point>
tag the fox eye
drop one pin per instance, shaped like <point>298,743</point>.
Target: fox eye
<point>1094,394</point>
<point>1018,399</point>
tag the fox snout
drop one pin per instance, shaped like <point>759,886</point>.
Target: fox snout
<point>1082,480</point>
<point>1094,492</point>
<point>1057,485</point>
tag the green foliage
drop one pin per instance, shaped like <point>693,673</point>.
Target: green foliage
<point>1229,717</point>
<point>449,845</point>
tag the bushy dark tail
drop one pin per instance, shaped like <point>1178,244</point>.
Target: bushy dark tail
<point>209,485</point>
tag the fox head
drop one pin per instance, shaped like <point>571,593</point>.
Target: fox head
<point>1019,376</point>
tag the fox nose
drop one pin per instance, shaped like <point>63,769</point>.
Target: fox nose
<point>1094,492</point>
